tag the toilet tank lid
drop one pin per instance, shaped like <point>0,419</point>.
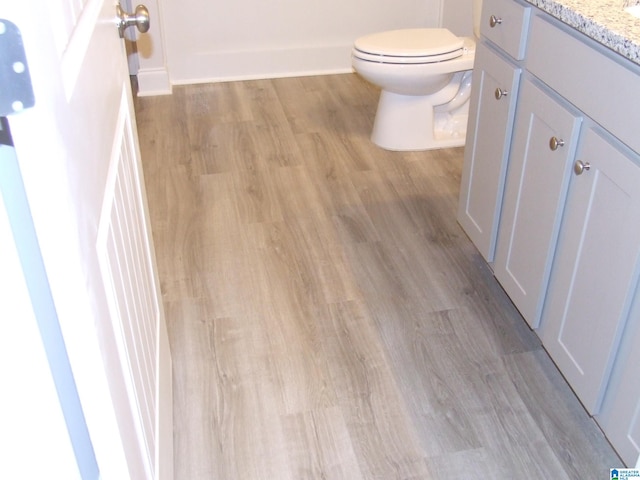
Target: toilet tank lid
<point>419,42</point>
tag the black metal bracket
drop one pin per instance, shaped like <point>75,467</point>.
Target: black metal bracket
<point>16,91</point>
<point>5,133</point>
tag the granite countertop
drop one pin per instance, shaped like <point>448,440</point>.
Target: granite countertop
<point>605,21</point>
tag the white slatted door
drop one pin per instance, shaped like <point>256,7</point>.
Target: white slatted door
<point>128,274</point>
<point>79,158</point>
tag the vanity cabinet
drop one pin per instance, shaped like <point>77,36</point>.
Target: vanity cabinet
<point>553,204</point>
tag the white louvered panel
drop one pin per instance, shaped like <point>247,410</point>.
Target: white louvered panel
<point>123,247</point>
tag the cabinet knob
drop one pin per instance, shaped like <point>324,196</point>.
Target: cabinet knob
<point>493,21</point>
<point>580,167</point>
<point>500,93</point>
<point>554,143</point>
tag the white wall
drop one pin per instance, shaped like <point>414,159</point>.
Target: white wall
<point>216,40</point>
<point>457,16</point>
<point>146,51</point>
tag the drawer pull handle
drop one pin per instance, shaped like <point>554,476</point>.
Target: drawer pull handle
<point>581,167</point>
<point>554,143</point>
<point>493,21</point>
<point>500,93</point>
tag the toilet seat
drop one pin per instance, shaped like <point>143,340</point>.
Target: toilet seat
<point>409,46</point>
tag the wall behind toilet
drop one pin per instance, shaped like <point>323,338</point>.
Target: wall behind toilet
<point>457,16</point>
<point>217,40</point>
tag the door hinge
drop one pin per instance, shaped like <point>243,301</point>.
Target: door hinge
<point>16,91</point>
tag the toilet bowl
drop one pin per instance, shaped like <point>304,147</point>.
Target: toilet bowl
<point>425,79</point>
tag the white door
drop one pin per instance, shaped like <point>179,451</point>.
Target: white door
<point>78,154</point>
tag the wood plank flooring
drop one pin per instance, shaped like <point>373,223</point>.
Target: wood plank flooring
<point>328,318</point>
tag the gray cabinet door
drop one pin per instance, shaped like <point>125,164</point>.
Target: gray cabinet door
<point>495,90</point>
<point>595,267</point>
<point>544,141</point>
<point>619,416</point>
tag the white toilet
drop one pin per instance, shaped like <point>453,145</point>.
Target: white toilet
<point>425,77</point>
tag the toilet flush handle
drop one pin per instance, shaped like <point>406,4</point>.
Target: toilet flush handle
<point>493,21</point>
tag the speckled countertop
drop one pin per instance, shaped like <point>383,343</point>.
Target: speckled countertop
<point>605,21</point>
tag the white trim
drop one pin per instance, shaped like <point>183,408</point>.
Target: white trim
<point>152,72</point>
<point>263,76</point>
<point>253,64</point>
<point>153,81</point>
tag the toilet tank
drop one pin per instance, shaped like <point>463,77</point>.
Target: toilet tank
<point>477,11</point>
<point>461,17</point>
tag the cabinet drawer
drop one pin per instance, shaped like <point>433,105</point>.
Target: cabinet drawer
<point>509,31</point>
<point>601,86</point>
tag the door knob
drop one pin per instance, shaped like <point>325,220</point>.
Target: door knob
<point>554,143</point>
<point>139,18</point>
<point>494,21</point>
<point>580,167</point>
<point>499,93</point>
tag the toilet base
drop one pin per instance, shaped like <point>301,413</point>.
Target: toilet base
<point>409,123</point>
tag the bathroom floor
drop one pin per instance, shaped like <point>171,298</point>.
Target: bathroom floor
<point>327,316</point>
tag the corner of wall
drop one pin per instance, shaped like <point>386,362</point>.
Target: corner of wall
<point>153,74</point>
<point>153,81</point>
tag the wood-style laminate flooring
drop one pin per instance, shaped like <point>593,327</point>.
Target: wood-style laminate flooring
<point>328,318</point>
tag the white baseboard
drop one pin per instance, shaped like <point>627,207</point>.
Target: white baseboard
<point>265,76</point>
<point>153,81</point>
<point>251,65</point>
